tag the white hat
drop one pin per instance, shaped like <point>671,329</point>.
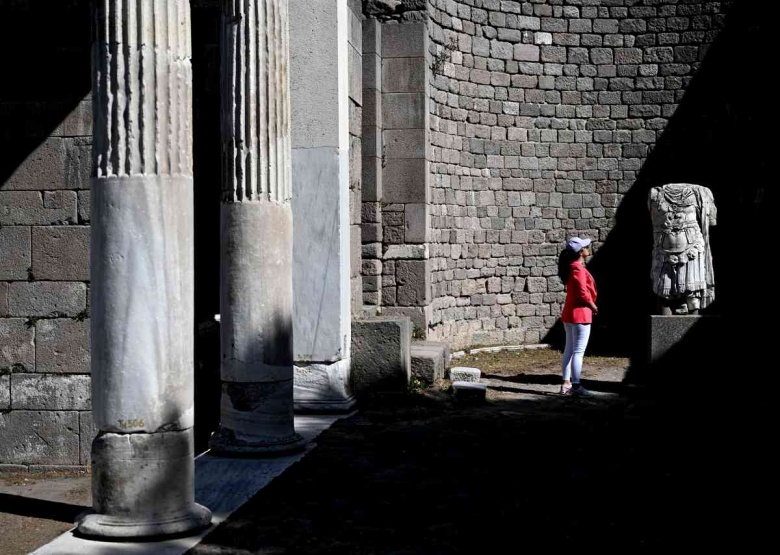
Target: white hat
<point>576,244</point>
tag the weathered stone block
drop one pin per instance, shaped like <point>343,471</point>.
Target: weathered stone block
<point>3,298</point>
<point>62,346</point>
<point>356,296</point>
<point>78,162</point>
<point>355,120</point>
<point>372,36</point>
<point>78,123</point>
<point>61,253</point>
<point>405,181</point>
<point>50,392</point>
<point>15,253</point>
<point>420,316</point>
<point>17,346</point>
<point>314,74</point>
<point>381,355</point>
<point>372,186</point>
<point>405,143</point>
<point>414,252</point>
<point>39,437</point>
<point>46,298</point>
<point>372,111</point>
<point>429,360</point>
<point>355,25</point>
<point>321,254</point>
<point>37,208</point>
<point>355,75</point>
<point>372,72</point>
<point>355,250</point>
<point>406,40</point>
<point>5,392</point>
<point>372,233</point>
<point>404,110</point>
<point>84,208</point>
<point>43,169</point>
<point>414,282</point>
<point>465,374</point>
<point>371,142</point>
<point>87,432</point>
<point>469,392</point>
<point>404,75</point>
<point>667,332</point>
<point>416,223</point>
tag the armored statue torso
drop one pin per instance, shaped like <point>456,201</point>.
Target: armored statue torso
<point>682,275</point>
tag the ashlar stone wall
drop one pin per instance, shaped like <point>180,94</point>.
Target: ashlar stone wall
<point>542,115</point>
<point>45,137</point>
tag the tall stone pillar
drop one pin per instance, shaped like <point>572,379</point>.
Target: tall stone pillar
<point>320,53</point>
<point>257,233</point>
<point>142,272</point>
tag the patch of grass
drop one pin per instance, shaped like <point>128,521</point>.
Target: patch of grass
<point>531,361</point>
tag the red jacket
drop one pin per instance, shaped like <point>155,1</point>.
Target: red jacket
<point>580,290</point>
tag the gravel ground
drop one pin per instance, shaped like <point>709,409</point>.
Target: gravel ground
<point>36,508</point>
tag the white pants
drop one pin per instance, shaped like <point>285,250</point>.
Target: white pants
<point>577,336</point>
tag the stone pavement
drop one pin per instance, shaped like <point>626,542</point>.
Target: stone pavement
<point>628,470</point>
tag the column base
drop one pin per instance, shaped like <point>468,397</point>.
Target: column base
<point>225,442</point>
<point>143,487</point>
<point>188,522</point>
<point>322,387</point>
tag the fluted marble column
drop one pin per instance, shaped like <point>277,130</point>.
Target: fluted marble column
<point>256,233</point>
<point>142,272</point>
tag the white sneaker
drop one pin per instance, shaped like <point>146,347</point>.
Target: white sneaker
<point>579,391</point>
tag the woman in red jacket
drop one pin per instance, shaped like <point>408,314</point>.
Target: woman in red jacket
<point>578,311</point>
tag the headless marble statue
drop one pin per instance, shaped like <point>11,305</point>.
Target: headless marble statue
<point>682,274</point>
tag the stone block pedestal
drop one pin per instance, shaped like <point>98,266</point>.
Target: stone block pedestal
<point>680,333</point>
<point>381,355</point>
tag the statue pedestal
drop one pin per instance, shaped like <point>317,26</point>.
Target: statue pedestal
<point>677,332</point>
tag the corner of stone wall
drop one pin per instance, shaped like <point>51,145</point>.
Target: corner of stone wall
<point>396,195</point>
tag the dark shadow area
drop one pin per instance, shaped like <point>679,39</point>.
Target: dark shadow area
<point>552,379</point>
<point>206,158</point>
<point>431,476</point>
<point>46,69</point>
<point>39,508</point>
<point>539,379</point>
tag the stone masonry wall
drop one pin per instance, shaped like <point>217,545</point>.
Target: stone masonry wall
<point>355,152</point>
<point>542,115</point>
<point>396,210</point>
<point>45,137</point>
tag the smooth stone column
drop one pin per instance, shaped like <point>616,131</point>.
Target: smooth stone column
<point>142,273</point>
<point>256,234</point>
<point>320,156</point>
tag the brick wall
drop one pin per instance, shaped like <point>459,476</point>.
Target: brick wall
<point>542,115</point>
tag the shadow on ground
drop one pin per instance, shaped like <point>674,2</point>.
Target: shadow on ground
<point>39,508</point>
<point>639,470</point>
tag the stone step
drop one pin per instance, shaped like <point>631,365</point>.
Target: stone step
<point>465,374</point>
<point>430,360</point>
<point>469,392</point>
